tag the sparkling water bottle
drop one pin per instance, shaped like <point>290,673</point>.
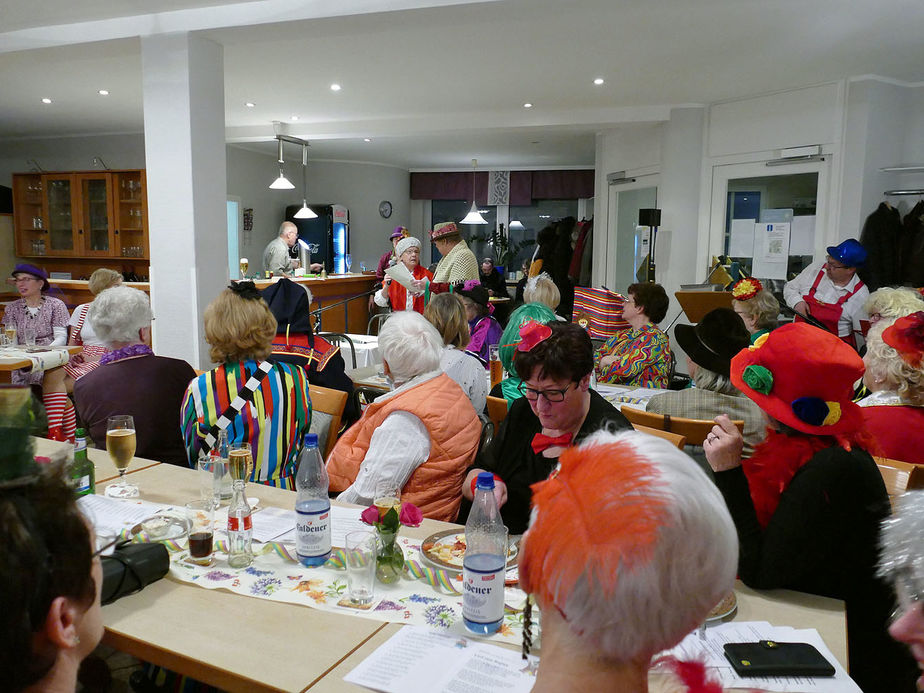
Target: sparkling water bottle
<point>484,565</point>
<point>312,505</point>
<point>240,527</point>
<point>83,473</point>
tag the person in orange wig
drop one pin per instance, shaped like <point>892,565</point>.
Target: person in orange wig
<point>629,547</point>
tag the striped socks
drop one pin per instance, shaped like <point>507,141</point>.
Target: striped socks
<point>62,421</point>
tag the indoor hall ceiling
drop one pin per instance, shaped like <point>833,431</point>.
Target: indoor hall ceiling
<point>433,87</point>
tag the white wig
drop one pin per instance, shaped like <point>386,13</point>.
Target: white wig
<point>410,345</point>
<point>902,554</point>
<point>118,313</point>
<point>631,542</point>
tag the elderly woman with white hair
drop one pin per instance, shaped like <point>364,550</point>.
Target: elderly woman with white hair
<point>419,437</point>
<point>894,411</point>
<point>607,557</point>
<point>890,303</point>
<point>131,379</point>
<point>396,295</point>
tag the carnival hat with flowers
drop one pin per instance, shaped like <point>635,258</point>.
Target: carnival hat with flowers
<point>399,232</point>
<point>746,288</point>
<point>446,228</point>
<point>906,336</point>
<point>803,377</point>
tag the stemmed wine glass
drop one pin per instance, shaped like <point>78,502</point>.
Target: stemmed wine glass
<point>348,259</point>
<point>120,444</point>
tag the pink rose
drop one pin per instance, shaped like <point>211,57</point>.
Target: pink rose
<point>370,515</point>
<point>410,515</point>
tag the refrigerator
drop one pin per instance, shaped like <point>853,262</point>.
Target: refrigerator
<point>328,236</point>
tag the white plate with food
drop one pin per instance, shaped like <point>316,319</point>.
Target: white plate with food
<point>161,527</point>
<point>446,550</point>
<point>724,608</point>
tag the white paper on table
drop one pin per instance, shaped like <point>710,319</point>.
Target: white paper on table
<point>802,235</point>
<point>342,522</point>
<point>710,651</point>
<point>420,659</point>
<point>271,523</point>
<point>741,239</point>
<point>401,274</point>
<point>115,514</point>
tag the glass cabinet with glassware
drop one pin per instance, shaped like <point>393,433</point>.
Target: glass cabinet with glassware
<point>80,214</point>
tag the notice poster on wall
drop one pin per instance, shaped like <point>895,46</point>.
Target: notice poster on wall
<point>771,250</point>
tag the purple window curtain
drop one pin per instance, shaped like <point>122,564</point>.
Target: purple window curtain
<point>525,186</point>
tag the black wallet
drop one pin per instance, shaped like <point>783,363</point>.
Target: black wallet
<point>771,658</point>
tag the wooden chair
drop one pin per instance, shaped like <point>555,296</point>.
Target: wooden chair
<point>329,402</point>
<point>497,411</point>
<point>899,476</point>
<point>673,438</point>
<point>694,430</point>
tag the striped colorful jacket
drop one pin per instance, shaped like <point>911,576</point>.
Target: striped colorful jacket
<point>643,358</point>
<point>273,422</point>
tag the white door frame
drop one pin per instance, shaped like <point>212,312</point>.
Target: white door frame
<point>612,214</point>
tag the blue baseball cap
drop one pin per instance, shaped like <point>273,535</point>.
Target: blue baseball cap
<point>849,253</point>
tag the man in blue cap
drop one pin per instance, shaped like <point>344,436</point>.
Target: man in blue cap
<point>831,292</point>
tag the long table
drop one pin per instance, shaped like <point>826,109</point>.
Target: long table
<point>7,368</point>
<point>249,644</point>
<point>105,469</point>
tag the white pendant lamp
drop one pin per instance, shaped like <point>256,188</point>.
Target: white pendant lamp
<point>281,183</point>
<point>305,212</point>
<point>473,216</point>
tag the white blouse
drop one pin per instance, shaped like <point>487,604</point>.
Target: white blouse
<point>470,375</point>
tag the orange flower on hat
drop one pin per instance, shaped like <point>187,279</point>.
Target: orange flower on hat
<point>906,336</point>
<point>746,288</point>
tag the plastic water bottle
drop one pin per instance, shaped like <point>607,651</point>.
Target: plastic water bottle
<point>484,565</point>
<point>312,505</point>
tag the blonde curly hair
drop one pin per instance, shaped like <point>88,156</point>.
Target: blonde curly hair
<point>886,365</point>
<point>238,328</point>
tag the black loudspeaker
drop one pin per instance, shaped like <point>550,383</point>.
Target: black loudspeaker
<point>649,217</point>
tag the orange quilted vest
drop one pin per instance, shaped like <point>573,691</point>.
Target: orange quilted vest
<point>436,485</point>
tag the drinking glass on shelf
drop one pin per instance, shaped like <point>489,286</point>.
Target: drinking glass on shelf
<point>348,259</point>
<point>120,444</point>
<point>387,496</point>
<point>200,529</point>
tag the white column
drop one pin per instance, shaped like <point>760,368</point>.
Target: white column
<point>184,138</point>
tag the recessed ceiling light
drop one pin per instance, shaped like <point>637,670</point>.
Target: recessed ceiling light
<point>249,104</point>
<point>46,100</point>
<point>335,87</point>
<point>103,92</point>
<point>527,105</point>
<point>598,81</point>
<point>367,139</point>
<point>293,118</point>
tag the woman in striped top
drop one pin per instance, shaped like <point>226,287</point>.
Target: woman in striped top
<point>276,411</point>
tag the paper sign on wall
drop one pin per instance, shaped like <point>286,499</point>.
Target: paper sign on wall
<point>771,250</point>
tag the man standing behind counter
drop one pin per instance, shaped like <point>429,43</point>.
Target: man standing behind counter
<point>831,291</point>
<point>276,255</point>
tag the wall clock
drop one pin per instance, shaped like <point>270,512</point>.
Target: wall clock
<point>385,208</point>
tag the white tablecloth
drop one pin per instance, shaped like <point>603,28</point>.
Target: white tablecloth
<point>637,397</point>
<point>367,351</point>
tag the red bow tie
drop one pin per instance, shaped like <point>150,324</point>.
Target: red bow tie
<point>542,441</point>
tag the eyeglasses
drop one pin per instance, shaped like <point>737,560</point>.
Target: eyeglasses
<point>16,280</point>
<point>834,265</point>
<point>550,395</point>
<point>105,547</point>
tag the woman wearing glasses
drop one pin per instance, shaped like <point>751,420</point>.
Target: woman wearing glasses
<point>557,409</point>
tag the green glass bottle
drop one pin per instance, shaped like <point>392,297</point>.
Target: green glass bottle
<point>83,473</point>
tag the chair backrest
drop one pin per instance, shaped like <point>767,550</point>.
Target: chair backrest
<point>899,476</point>
<point>694,430</point>
<point>330,403</point>
<point>377,318</point>
<point>497,410</point>
<point>673,438</point>
<point>340,337</point>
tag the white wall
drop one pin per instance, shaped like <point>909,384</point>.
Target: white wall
<point>70,154</point>
<point>359,187</point>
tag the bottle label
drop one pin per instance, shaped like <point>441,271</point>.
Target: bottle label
<point>483,594</point>
<point>82,485</point>
<point>240,524</point>
<point>312,532</point>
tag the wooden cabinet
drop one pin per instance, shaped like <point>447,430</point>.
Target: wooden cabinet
<point>98,214</point>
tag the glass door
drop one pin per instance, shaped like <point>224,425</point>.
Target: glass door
<point>95,228</point>
<point>59,191</point>
<point>626,250</point>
